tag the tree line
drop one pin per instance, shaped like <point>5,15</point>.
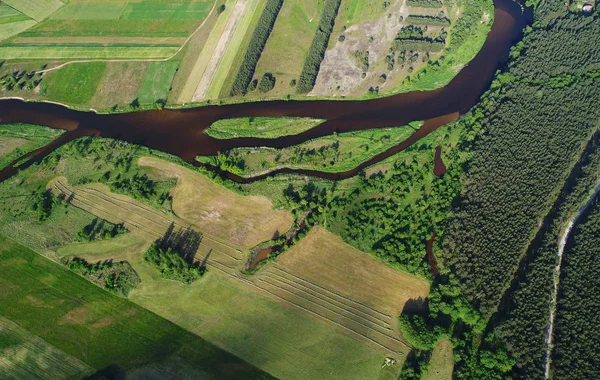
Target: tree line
<point>255,47</point>
<point>317,49</point>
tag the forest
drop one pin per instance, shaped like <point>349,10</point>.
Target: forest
<point>575,354</point>
<point>255,47</point>
<point>317,49</point>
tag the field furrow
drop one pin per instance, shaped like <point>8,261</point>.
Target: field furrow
<point>341,311</point>
<point>334,294</point>
<point>330,301</point>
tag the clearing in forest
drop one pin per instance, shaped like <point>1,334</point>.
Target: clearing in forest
<point>441,363</point>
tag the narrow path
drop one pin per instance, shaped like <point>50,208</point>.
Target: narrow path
<point>559,257</point>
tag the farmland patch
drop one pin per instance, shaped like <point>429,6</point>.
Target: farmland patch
<point>157,82</point>
<point>36,9</point>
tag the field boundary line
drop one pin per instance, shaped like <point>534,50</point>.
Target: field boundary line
<point>139,60</point>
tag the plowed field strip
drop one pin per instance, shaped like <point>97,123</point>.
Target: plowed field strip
<point>312,301</point>
<point>308,288</point>
<point>333,293</point>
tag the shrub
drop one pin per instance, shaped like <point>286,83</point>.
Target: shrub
<point>266,83</point>
<point>172,265</point>
<point>428,20</point>
<point>425,3</point>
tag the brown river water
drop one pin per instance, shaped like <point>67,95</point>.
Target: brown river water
<point>181,132</point>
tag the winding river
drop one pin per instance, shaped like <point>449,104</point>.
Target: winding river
<point>181,132</point>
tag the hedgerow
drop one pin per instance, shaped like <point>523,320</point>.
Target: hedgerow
<point>316,53</point>
<point>255,47</point>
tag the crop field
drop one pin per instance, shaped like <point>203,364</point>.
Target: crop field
<point>19,139</point>
<point>264,127</point>
<point>92,23</point>
<point>157,82</point>
<point>244,221</point>
<point>288,44</point>
<point>98,328</point>
<point>36,9</point>
<point>441,362</point>
<point>334,153</point>
<point>24,355</point>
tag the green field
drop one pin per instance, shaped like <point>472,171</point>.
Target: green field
<point>167,11</point>
<point>157,82</point>
<point>19,139</point>
<point>90,11</point>
<point>272,336</point>
<point>36,9</point>
<point>29,51</point>
<point>125,28</point>
<point>96,327</point>
<point>263,127</point>
<point>24,355</point>
<point>334,153</point>
<point>74,84</point>
<point>11,29</point>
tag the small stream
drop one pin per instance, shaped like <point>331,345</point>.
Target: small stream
<point>561,248</point>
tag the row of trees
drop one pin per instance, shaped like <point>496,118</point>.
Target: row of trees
<point>425,3</point>
<point>428,20</point>
<point>428,45</point>
<point>317,49</point>
<point>99,229</point>
<point>255,47</point>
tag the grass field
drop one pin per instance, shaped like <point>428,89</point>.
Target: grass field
<point>24,355</point>
<point>51,51</point>
<point>74,84</point>
<point>120,84</point>
<point>288,44</point>
<point>157,82</point>
<point>227,61</point>
<point>354,12</point>
<point>244,221</point>
<point>441,362</point>
<point>323,258</point>
<point>334,153</point>
<point>11,29</point>
<point>269,334</point>
<point>36,9</point>
<point>264,127</point>
<point>119,28</point>
<point>19,139</point>
<point>90,11</point>
<point>96,327</point>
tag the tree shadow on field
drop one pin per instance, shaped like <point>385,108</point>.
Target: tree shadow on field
<point>183,241</point>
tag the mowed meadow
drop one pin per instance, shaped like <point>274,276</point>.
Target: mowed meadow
<point>291,320</point>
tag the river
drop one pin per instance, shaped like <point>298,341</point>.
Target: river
<point>181,132</point>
